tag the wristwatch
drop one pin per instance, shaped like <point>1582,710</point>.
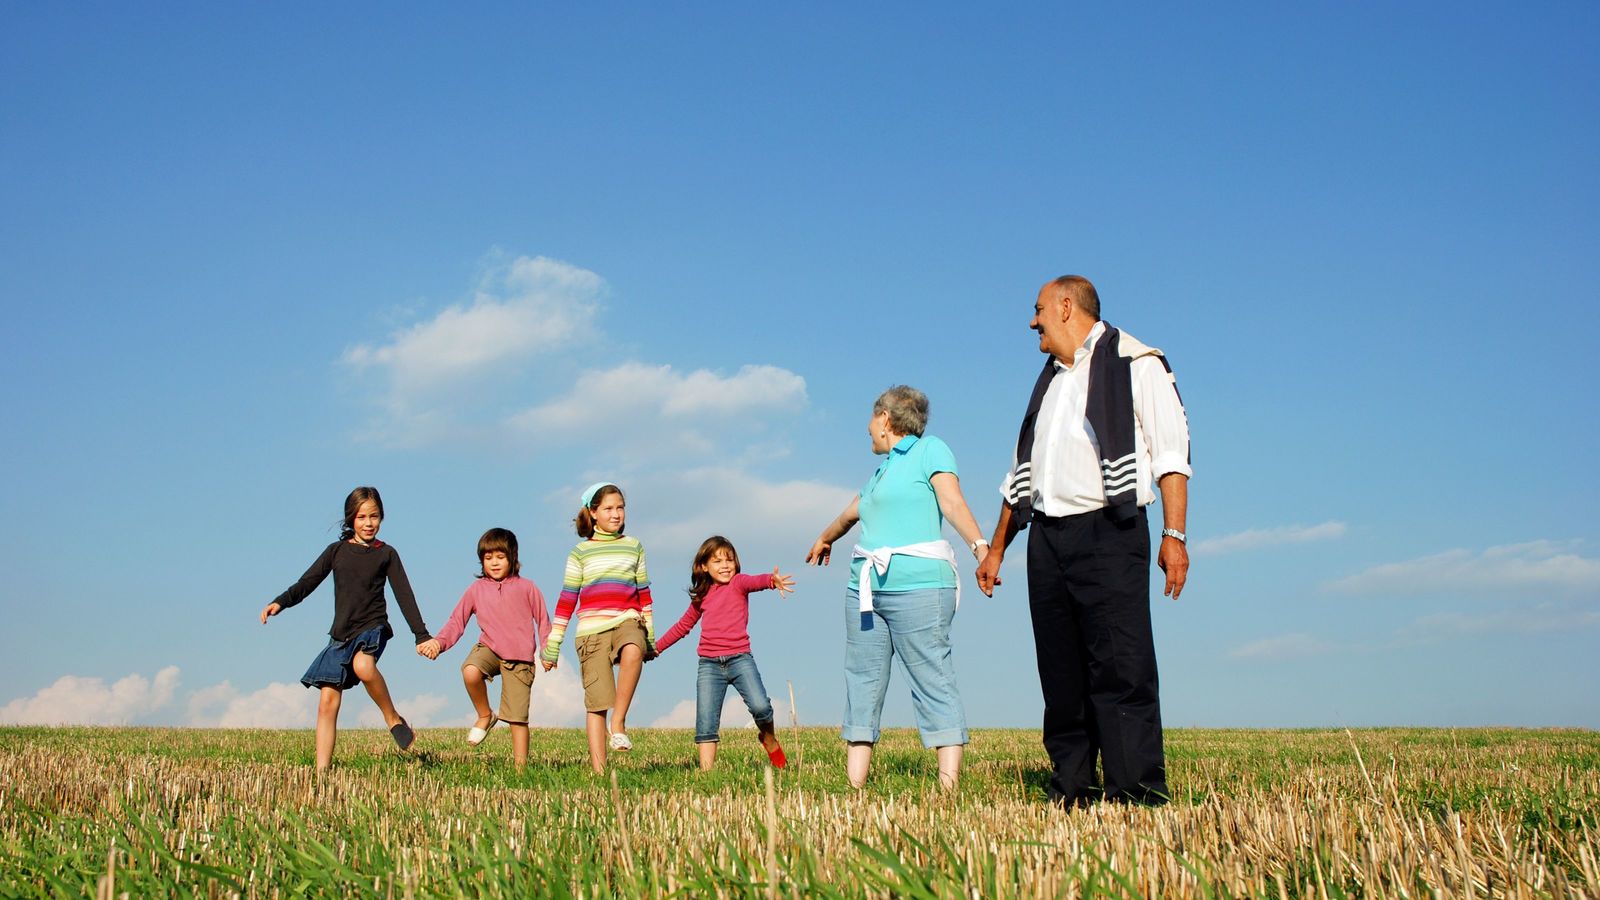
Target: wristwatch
<point>1175,533</point>
<point>980,542</point>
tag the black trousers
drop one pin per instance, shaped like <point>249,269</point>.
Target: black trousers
<point>1089,595</point>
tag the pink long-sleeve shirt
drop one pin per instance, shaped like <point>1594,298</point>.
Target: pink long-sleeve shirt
<point>726,610</point>
<point>511,616</point>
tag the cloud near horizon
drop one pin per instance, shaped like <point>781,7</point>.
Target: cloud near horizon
<point>1297,645</point>
<point>1257,538</point>
<point>1537,619</point>
<point>1544,565</point>
<point>734,713</point>
<point>76,700</point>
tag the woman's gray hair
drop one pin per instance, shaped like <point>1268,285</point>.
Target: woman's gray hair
<point>907,408</point>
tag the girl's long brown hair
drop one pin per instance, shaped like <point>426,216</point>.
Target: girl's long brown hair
<point>699,579</point>
<point>352,505</point>
<point>585,519</point>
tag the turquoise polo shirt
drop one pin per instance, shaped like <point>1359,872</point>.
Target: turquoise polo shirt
<point>898,507</point>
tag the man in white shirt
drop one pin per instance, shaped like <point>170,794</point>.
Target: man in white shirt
<point>1083,480</point>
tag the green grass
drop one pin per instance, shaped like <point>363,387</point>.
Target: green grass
<point>218,813</point>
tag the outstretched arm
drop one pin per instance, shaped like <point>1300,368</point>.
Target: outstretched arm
<point>783,584</point>
<point>822,550</point>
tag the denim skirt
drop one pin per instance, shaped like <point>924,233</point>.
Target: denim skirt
<point>332,667</point>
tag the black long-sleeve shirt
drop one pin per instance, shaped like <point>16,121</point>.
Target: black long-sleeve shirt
<point>358,575</point>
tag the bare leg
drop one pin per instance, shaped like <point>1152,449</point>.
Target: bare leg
<point>628,666</point>
<point>857,760</point>
<point>478,690</point>
<point>519,745</point>
<point>950,765</point>
<point>366,669</point>
<point>594,724</point>
<point>327,725</point>
<point>708,754</point>
<point>768,735</point>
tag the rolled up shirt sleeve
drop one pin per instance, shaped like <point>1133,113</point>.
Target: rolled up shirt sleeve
<point>1161,416</point>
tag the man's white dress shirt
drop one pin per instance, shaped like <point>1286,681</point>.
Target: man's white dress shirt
<point>1066,456</point>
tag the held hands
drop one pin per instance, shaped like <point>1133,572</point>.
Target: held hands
<point>548,665</point>
<point>819,553</point>
<point>271,610</point>
<point>989,570</point>
<point>1173,559</point>
<point>429,648</point>
<point>783,584</point>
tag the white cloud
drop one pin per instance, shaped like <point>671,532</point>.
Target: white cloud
<point>744,506</point>
<point>680,716</point>
<point>528,306</point>
<point>1297,645</point>
<point>1257,538</point>
<point>1544,566</point>
<point>492,370</point>
<point>635,390</point>
<point>278,705</point>
<point>557,697</point>
<point>74,700</point>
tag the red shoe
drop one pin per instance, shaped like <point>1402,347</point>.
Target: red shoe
<point>776,754</point>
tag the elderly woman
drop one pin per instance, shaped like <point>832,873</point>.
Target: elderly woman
<point>903,584</point>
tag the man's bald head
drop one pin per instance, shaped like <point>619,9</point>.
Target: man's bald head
<point>1081,292</point>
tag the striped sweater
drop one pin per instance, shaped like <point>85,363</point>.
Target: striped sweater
<point>605,583</point>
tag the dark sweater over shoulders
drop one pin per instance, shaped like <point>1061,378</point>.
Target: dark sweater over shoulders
<point>358,602</point>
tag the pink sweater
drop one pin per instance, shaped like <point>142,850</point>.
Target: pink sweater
<point>511,617</point>
<point>726,608</point>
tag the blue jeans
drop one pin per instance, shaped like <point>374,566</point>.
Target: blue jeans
<point>711,686</point>
<point>915,626</point>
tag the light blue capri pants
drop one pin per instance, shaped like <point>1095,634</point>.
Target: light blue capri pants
<point>914,626</point>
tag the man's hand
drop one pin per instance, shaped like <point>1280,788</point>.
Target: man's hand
<point>1173,560</point>
<point>271,610</point>
<point>989,571</point>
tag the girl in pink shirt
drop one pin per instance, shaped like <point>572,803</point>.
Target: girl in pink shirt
<point>721,596</point>
<point>513,623</point>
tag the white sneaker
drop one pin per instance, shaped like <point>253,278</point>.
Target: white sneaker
<point>620,742</point>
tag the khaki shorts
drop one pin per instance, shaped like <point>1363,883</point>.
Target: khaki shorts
<point>515,690</point>
<point>597,653</point>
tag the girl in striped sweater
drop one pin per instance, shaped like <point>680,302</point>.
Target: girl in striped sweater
<point>607,585</point>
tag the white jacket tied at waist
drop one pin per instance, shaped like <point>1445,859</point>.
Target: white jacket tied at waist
<point>878,561</point>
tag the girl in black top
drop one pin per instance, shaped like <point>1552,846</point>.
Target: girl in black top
<point>360,564</point>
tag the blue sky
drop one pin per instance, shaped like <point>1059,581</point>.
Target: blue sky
<point>250,259</point>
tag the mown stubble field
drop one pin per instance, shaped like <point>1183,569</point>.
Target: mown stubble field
<point>1387,812</point>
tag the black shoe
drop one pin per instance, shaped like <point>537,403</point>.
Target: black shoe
<point>403,736</point>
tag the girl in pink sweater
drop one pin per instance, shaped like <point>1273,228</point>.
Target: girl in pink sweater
<point>720,595</point>
<point>513,623</point>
